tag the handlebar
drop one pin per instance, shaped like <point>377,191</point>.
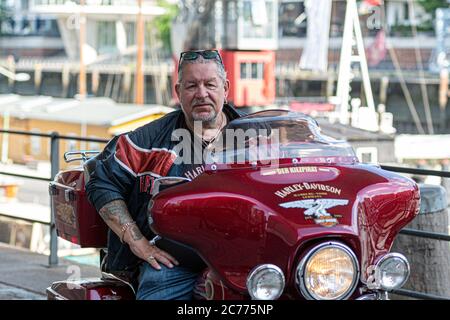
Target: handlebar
<point>83,155</point>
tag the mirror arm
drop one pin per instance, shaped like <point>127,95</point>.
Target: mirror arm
<point>159,181</point>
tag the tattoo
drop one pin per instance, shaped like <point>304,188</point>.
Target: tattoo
<point>115,211</point>
<point>136,233</point>
<point>116,215</point>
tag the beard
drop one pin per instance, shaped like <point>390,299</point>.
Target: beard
<point>208,118</point>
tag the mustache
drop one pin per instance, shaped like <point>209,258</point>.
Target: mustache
<point>201,103</point>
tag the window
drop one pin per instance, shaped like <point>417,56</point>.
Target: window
<point>252,70</point>
<point>130,29</point>
<point>106,35</point>
<point>244,73</point>
<point>24,4</point>
<point>406,12</point>
<point>232,11</point>
<point>258,20</point>
<point>291,22</point>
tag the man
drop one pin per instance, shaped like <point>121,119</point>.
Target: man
<point>120,186</point>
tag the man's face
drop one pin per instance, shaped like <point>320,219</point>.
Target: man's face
<point>201,92</point>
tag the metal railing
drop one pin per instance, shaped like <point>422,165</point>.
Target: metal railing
<point>426,172</point>
<point>55,167</point>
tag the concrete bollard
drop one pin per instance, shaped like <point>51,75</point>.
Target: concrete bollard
<point>429,258</point>
<point>433,199</point>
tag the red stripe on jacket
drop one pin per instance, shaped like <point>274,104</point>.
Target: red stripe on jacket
<point>138,161</point>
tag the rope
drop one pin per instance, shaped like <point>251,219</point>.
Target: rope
<point>423,87</point>
<point>406,93</point>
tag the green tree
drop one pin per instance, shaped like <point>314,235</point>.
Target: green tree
<point>162,23</point>
<point>430,6</point>
<point>5,13</point>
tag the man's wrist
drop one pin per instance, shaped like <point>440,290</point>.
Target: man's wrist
<point>125,228</point>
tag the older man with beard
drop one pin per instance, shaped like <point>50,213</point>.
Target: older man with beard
<point>120,186</point>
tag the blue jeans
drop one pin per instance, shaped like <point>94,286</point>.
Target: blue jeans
<point>165,284</point>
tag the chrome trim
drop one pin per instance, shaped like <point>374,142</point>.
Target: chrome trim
<point>299,273</point>
<point>83,155</point>
<point>153,241</point>
<point>258,269</point>
<point>166,181</point>
<point>370,296</point>
<point>383,259</point>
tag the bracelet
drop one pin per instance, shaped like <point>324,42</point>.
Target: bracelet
<point>125,227</point>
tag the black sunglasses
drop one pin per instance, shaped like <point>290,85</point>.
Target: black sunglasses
<point>193,55</point>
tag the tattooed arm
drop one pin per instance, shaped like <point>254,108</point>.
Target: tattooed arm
<point>115,214</point>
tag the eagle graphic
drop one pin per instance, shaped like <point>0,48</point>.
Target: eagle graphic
<point>316,208</point>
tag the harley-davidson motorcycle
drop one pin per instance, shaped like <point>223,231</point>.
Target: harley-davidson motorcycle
<point>288,213</point>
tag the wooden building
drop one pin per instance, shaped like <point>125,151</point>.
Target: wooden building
<point>92,117</point>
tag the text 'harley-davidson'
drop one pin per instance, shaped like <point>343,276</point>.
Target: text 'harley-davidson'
<point>287,214</point>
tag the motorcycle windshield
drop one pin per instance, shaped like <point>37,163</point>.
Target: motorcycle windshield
<point>268,136</point>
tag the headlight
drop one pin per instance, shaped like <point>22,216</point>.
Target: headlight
<point>265,282</point>
<point>392,271</point>
<point>328,272</point>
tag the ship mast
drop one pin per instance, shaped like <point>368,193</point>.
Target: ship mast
<point>82,40</point>
<point>352,36</point>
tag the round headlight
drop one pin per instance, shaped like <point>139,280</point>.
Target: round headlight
<point>265,282</point>
<point>392,271</point>
<point>328,272</point>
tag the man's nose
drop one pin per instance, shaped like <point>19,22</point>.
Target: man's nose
<point>201,92</point>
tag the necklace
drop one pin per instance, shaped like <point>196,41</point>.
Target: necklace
<point>205,143</point>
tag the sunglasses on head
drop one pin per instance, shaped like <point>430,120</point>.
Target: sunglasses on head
<point>193,55</point>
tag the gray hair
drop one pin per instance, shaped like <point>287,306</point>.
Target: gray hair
<point>220,68</point>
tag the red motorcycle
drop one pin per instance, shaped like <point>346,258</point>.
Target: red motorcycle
<point>287,214</point>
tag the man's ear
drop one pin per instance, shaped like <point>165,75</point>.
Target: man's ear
<point>226,88</point>
<point>177,90</point>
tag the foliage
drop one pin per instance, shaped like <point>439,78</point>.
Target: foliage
<point>430,6</point>
<point>162,23</point>
<point>406,30</point>
<point>5,13</point>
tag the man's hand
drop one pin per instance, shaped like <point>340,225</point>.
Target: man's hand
<point>142,248</point>
<point>116,215</point>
